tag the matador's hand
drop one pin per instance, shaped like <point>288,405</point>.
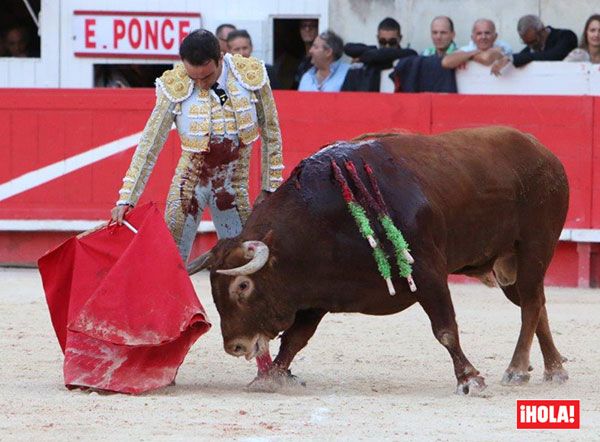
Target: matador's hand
<point>118,213</point>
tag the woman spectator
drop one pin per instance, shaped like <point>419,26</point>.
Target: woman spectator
<point>328,72</point>
<point>589,48</point>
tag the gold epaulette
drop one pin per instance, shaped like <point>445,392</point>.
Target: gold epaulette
<point>176,84</point>
<point>250,72</point>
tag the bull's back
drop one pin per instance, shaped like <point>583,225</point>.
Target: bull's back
<point>491,185</point>
<point>469,159</point>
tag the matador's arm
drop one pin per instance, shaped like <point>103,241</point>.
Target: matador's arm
<point>272,160</point>
<point>172,87</point>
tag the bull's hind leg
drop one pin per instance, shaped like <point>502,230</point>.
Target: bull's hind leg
<point>437,303</point>
<point>529,290</point>
<point>553,369</point>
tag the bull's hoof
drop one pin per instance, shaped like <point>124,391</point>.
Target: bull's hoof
<point>515,377</point>
<point>556,376</point>
<point>471,387</point>
<point>275,380</point>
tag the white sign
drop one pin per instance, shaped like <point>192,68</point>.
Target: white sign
<point>127,34</point>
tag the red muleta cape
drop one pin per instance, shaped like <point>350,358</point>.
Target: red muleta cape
<point>122,305</point>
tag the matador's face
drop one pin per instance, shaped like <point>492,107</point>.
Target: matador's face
<point>205,74</point>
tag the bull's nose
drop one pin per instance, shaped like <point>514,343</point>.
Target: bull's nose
<point>236,349</point>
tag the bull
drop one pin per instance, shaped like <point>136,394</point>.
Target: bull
<point>487,202</point>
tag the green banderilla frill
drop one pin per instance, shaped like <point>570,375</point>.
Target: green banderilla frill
<point>364,226</point>
<point>400,246</point>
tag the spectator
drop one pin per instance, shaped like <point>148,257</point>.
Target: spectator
<point>109,76</point>
<point>371,60</point>
<point>483,47</point>
<point>328,71</point>
<point>589,48</point>
<point>442,36</point>
<point>309,29</point>
<point>240,42</point>
<point>425,73</point>
<point>544,43</point>
<point>222,33</point>
<point>18,41</point>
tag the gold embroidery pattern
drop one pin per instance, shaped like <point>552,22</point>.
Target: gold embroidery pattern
<point>199,127</point>
<point>175,83</point>
<point>245,119</point>
<point>181,193</point>
<point>242,104</point>
<point>151,142</point>
<point>231,127</point>
<point>250,71</point>
<point>239,183</point>
<point>196,111</point>
<point>249,135</point>
<point>272,160</point>
<point>218,128</point>
<point>194,144</point>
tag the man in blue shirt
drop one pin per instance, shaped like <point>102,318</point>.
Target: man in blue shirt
<point>328,72</point>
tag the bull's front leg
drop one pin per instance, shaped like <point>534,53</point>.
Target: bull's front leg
<point>293,340</point>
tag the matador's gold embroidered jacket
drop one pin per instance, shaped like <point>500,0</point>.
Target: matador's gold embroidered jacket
<point>197,114</point>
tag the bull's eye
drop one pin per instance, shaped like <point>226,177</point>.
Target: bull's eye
<point>241,288</point>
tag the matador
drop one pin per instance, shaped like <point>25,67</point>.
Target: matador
<point>218,103</point>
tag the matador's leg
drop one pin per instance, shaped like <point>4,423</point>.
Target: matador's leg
<point>186,202</point>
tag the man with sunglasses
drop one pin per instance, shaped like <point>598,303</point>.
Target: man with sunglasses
<point>365,75</point>
<point>544,43</point>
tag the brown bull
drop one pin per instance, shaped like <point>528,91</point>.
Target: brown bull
<point>488,202</point>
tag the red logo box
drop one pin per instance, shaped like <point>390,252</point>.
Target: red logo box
<point>548,414</point>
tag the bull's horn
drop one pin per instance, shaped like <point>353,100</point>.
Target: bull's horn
<point>257,252</point>
<point>200,263</point>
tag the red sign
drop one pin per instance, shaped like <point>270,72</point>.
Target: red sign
<point>548,414</point>
<point>131,34</point>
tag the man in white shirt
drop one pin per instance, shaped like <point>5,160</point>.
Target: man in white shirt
<point>484,47</point>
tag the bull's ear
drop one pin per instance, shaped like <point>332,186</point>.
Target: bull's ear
<point>269,239</point>
<point>204,261</point>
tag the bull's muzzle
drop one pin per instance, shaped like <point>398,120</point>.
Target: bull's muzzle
<point>249,348</point>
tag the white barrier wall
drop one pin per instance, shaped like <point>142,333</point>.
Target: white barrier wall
<point>537,78</point>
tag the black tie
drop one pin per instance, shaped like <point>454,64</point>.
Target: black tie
<point>220,93</point>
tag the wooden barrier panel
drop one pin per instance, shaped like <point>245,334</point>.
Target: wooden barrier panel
<point>63,152</point>
<point>595,192</point>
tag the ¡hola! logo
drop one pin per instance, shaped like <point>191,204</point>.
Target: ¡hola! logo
<point>548,414</point>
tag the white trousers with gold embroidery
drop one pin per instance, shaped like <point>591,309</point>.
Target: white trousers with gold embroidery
<point>217,179</point>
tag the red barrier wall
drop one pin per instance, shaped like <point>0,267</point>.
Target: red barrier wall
<point>42,126</point>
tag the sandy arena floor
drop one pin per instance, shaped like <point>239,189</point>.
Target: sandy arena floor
<point>368,378</point>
